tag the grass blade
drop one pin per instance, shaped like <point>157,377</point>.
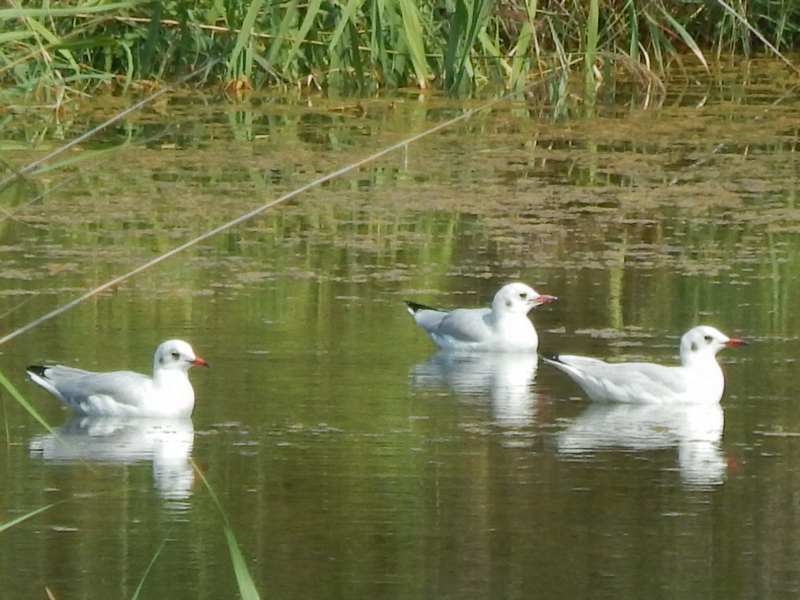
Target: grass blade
<point>412,34</point>
<point>312,11</point>
<point>286,22</point>
<point>147,570</point>
<point>247,587</point>
<point>24,517</point>
<point>14,36</point>
<point>344,19</point>
<point>756,33</point>
<point>24,403</point>
<point>519,66</point>
<point>633,25</point>
<point>688,39</point>
<point>452,64</point>
<point>236,68</point>
<point>466,26</point>
<point>591,51</point>
<point>40,30</point>
<point>21,13</point>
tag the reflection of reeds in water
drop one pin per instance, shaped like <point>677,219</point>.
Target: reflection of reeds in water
<point>628,254</point>
<point>547,199</point>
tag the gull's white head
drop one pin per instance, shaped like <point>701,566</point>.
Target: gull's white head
<point>518,298</point>
<point>703,341</point>
<point>176,355</point>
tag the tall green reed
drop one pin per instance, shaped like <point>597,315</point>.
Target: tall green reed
<point>53,51</point>
<point>25,517</point>
<point>468,20</point>
<point>247,587</point>
<point>17,395</point>
<point>139,587</point>
<point>590,51</point>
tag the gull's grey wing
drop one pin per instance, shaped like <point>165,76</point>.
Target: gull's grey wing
<point>126,387</point>
<point>429,318</point>
<point>623,382</point>
<point>466,324</point>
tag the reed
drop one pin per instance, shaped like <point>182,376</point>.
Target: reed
<point>247,587</point>
<point>139,587</point>
<point>54,51</point>
<point>25,517</point>
<point>17,395</point>
<point>590,52</point>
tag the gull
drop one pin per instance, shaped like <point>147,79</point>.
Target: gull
<point>505,327</point>
<point>124,393</point>
<point>698,378</point>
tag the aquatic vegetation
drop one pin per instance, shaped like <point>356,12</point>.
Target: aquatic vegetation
<point>20,519</point>
<point>55,52</point>
<point>15,393</point>
<point>247,587</point>
<point>644,220</point>
<point>147,570</point>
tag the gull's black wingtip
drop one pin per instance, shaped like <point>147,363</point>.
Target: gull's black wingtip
<point>549,355</point>
<point>35,370</point>
<point>414,307</point>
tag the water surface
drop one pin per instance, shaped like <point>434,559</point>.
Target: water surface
<point>350,459</point>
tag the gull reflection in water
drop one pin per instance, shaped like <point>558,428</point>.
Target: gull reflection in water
<point>694,429</point>
<point>505,377</point>
<point>114,440</point>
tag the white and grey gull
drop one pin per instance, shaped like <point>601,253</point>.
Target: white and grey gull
<point>168,393</point>
<point>505,327</point>
<point>699,377</point>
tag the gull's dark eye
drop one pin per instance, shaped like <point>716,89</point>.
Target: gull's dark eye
<point>176,355</point>
<point>523,295</point>
<point>707,338</point>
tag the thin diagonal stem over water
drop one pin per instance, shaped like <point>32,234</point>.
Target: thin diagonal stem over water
<point>10,214</point>
<point>296,192</point>
<point>756,33</point>
<point>31,166</point>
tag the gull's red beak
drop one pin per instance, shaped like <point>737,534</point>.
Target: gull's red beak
<point>544,300</point>
<point>199,362</point>
<point>735,342</point>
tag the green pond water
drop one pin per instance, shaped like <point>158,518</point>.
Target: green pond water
<point>352,461</point>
